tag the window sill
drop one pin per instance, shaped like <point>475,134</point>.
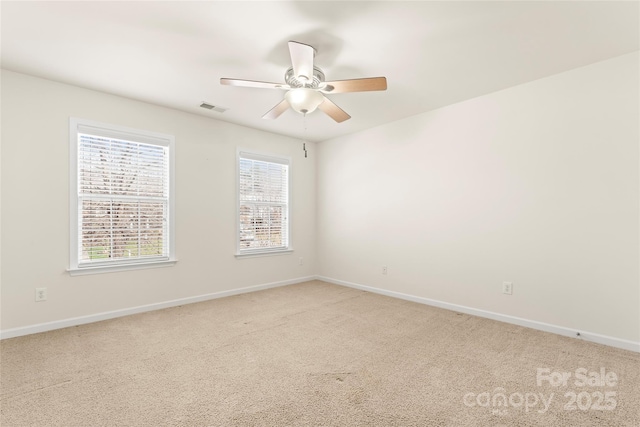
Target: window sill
<point>257,254</point>
<point>80,271</point>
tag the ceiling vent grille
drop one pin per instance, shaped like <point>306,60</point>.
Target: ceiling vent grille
<point>213,107</point>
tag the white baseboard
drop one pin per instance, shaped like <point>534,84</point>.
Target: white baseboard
<point>559,330</point>
<point>74,321</point>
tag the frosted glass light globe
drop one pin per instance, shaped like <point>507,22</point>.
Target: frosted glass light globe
<point>304,100</point>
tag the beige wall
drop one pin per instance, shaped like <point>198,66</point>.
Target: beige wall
<point>537,184</point>
<point>35,205</point>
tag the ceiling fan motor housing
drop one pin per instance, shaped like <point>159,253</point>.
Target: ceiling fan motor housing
<point>299,81</point>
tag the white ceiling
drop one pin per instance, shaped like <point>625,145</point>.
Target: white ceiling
<point>432,53</point>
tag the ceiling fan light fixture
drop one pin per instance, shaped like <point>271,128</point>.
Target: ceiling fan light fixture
<point>304,100</point>
<point>306,86</point>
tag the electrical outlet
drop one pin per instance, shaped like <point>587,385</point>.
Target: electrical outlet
<point>300,261</point>
<point>41,294</point>
<point>384,269</point>
<point>507,288</point>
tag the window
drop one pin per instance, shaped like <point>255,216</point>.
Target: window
<point>121,198</point>
<point>263,204</point>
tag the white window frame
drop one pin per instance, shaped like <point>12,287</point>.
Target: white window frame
<point>272,158</point>
<point>76,126</point>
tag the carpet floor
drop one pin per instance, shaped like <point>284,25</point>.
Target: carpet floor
<point>313,354</point>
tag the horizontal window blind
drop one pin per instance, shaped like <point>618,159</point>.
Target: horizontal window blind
<point>123,200</point>
<point>263,203</point>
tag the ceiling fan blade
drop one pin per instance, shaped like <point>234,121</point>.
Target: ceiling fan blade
<point>333,111</point>
<point>302,59</point>
<point>253,83</point>
<point>275,112</point>
<point>355,85</point>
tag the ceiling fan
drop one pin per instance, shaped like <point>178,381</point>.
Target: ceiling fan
<point>306,87</point>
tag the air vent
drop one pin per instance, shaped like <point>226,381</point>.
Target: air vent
<point>213,107</point>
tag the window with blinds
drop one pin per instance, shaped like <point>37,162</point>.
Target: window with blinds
<point>123,196</point>
<point>263,203</point>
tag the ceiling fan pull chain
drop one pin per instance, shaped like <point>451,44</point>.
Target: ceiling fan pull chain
<point>304,135</point>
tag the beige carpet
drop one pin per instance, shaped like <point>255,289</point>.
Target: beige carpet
<point>312,354</point>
